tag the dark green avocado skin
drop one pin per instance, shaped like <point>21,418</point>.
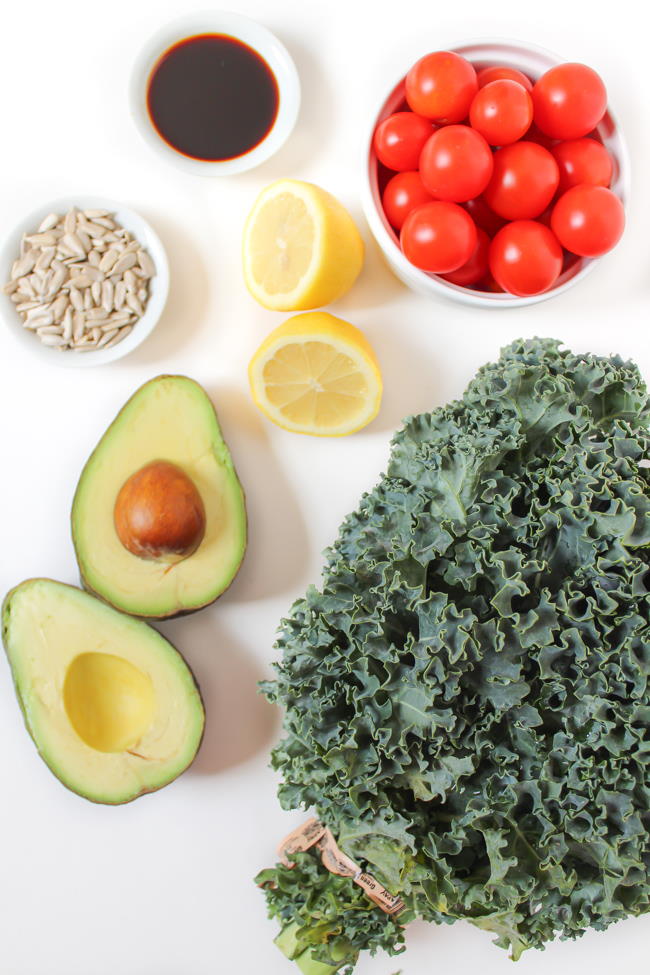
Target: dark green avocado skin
<point>173,613</point>
<point>5,613</point>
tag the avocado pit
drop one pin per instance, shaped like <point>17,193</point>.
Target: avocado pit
<point>159,514</point>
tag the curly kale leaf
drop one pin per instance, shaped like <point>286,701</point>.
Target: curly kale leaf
<point>328,915</point>
<point>466,697</point>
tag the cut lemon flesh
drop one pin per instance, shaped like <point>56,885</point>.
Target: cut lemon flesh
<point>316,374</point>
<point>301,247</point>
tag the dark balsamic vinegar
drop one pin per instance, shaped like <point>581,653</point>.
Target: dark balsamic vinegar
<point>211,97</point>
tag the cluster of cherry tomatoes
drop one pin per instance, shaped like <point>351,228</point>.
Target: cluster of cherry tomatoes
<point>497,182</point>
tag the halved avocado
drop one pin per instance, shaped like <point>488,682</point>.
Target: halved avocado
<point>165,452</point>
<point>112,707</point>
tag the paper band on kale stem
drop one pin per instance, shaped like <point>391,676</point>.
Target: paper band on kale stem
<point>314,833</point>
<point>299,840</point>
<point>334,859</point>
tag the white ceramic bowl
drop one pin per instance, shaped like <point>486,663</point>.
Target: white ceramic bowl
<point>248,32</point>
<point>159,287</point>
<point>533,61</point>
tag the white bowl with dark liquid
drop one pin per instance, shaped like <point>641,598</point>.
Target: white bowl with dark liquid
<point>236,28</point>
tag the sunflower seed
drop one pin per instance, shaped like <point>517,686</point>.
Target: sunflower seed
<point>59,306</point>
<point>105,221</point>
<point>76,298</point>
<point>26,287</point>
<point>119,294</point>
<point>125,262</point>
<point>146,264</point>
<point>96,292</point>
<point>11,286</point>
<point>66,324</point>
<point>55,341</point>
<point>94,229</point>
<point>106,337</point>
<point>94,258</point>
<point>70,221</point>
<point>82,280</point>
<point>134,304</point>
<point>88,300</point>
<point>56,280</point>
<point>23,265</point>
<point>95,313</point>
<point>42,240</point>
<point>72,243</point>
<point>130,280</point>
<point>84,239</point>
<point>122,334</point>
<point>78,325</point>
<point>42,318</point>
<point>108,260</point>
<point>46,257</point>
<point>48,330</point>
<point>119,318</point>
<point>108,289</point>
<point>43,278</point>
<point>48,223</point>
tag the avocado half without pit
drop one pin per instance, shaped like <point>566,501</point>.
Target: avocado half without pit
<point>158,518</point>
<point>111,705</point>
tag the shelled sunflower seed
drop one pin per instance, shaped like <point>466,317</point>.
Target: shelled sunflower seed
<point>81,281</point>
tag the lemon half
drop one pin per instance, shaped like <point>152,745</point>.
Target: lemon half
<point>301,247</point>
<point>316,374</point>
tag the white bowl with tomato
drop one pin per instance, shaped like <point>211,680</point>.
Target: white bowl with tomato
<point>495,174</point>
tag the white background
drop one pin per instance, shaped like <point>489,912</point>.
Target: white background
<point>163,886</point>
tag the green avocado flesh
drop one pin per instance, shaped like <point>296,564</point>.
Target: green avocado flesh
<point>172,419</point>
<point>111,705</point>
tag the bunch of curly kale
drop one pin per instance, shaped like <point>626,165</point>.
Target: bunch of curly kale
<point>467,700</point>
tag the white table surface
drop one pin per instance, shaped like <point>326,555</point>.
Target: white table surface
<point>163,886</point>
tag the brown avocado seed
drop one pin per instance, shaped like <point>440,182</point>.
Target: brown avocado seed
<point>159,513</point>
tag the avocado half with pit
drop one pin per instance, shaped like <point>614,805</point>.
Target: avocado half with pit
<point>112,707</point>
<point>158,518</point>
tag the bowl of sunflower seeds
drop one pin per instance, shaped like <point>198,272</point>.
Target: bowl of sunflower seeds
<point>84,281</point>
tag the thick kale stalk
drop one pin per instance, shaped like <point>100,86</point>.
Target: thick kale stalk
<point>466,698</point>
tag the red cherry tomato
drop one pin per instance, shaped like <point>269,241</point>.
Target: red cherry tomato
<point>456,164</point>
<point>399,140</point>
<point>483,217</point>
<point>487,75</point>
<point>582,161</point>
<point>441,86</point>
<point>588,220</point>
<point>476,267</point>
<point>438,237</point>
<point>403,193</point>
<point>489,284</point>
<point>569,101</point>
<point>535,135</point>
<point>524,181</point>
<point>525,258</point>
<point>502,112</point>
